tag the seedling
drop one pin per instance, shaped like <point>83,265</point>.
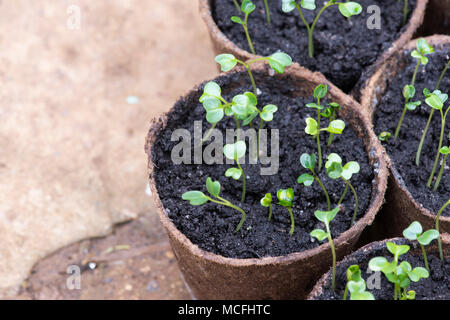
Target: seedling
<point>197,198</point>
<point>436,101</point>
<point>384,136</point>
<point>313,126</point>
<point>400,274</point>
<point>234,152</point>
<point>309,162</point>
<point>267,202</point>
<point>266,5</point>
<point>347,9</point>
<point>285,198</point>
<point>335,170</point>
<point>438,216</point>
<point>247,7</point>
<point>277,61</point>
<point>332,107</point>
<point>409,91</point>
<point>425,131</point>
<point>356,285</point>
<point>326,217</point>
<point>415,232</point>
<point>445,151</point>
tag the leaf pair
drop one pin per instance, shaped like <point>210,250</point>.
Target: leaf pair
<point>435,99</point>
<point>415,232</point>
<point>212,102</point>
<point>247,7</point>
<point>409,91</point>
<point>347,9</point>
<point>356,284</point>
<point>234,152</point>
<point>277,61</point>
<point>335,170</point>
<point>325,217</point>
<point>197,198</point>
<point>335,127</point>
<point>423,49</point>
<point>285,197</point>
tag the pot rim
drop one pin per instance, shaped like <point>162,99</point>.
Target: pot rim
<point>371,142</point>
<point>367,97</point>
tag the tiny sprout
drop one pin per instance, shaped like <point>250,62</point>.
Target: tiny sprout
<point>266,5</point>
<point>401,274</point>
<point>335,170</point>
<point>247,7</point>
<point>234,152</point>
<point>197,198</point>
<point>436,101</point>
<point>267,202</point>
<point>438,216</point>
<point>409,91</point>
<point>384,136</point>
<point>347,9</point>
<point>309,162</point>
<point>356,285</point>
<point>285,198</point>
<point>415,232</point>
<point>313,126</point>
<point>326,217</point>
<point>277,61</point>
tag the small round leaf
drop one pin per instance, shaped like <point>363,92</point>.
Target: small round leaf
<point>234,173</point>
<point>350,8</point>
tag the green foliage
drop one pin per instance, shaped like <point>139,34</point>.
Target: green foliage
<point>247,7</point>
<point>423,49</point>
<point>356,285</point>
<point>235,151</point>
<point>415,232</point>
<point>384,136</point>
<point>267,202</point>
<point>285,199</point>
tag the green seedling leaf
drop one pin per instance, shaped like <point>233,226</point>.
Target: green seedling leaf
<point>404,268</point>
<point>441,95</point>
<point>397,250</point>
<point>267,200</point>
<point>378,263</point>
<point>235,151</point>
<point>434,101</point>
<point>411,295</point>
<point>428,236</point>
<point>384,136</point>
<point>241,105</point>
<point>213,187</point>
<point>413,231</point>
<point>214,110</point>
<point>335,105</point>
<point>234,173</point>
<point>353,273</point>
<point>196,198</point>
<point>411,106</point>
<point>418,273</point>
<point>279,61</point>
<point>211,89</point>
<point>356,286</point>
<point>424,47</point>
<point>319,234</point>
<point>326,216</point>
<point>349,9</point>
<point>445,150</point>
<point>320,91</point>
<point>287,5</point>
<point>326,113</point>
<point>350,169</point>
<point>250,118</point>
<point>308,4</point>
<point>311,127</point>
<point>306,179</point>
<point>268,111</point>
<point>416,54</point>
<point>365,295</point>
<point>285,197</point>
<point>308,161</point>
<point>336,126</point>
<point>313,105</point>
<point>409,91</point>
<point>333,157</point>
<point>247,6</point>
<point>227,61</point>
<point>334,170</point>
<point>236,19</point>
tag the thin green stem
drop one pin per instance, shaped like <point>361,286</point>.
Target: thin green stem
<point>238,126</point>
<point>438,180</point>
<point>441,140</point>
<point>238,7</point>
<point>425,257</point>
<point>316,177</point>
<point>330,138</point>
<point>333,253</point>
<point>355,212</point>
<point>247,35</point>
<point>343,195</point>
<point>270,211</point>
<point>413,81</point>
<point>250,74</point>
<point>345,292</point>
<point>438,216</point>
<point>267,11</point>
<point>261,123</point>
<point>405,12</point>
<point>311,30</point>
<point>308,29</point>
<point>291,231</point>
<point>319,149</point>
<point>442,74</point>
<point>244,180</point>
<point>209,132</point>
<point>229,204</point>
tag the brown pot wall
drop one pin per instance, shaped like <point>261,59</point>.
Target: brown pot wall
<point>401,208</point>
<point>325,279</point>
<point>212,276</point>
<point>221,44</point>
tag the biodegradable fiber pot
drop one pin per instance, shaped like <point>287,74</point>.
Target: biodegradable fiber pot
<point>337,75</point>
<point>425,289</point>
<point>213,276</point>
<point>401,207</point>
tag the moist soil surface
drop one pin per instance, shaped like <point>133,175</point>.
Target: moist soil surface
<point>403,150</point>
<point>343,47</point>
<point>435,287</point>
<point>211,226</point>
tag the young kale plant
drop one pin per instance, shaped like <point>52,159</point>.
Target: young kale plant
<point>267,202</point>
<point>285,199</point>
<point>347,9</point>
<point>197,198</point>
<point>313,126</point>
<point>247,7</point>
<point>234,152</point>
<point>436,101</point>
<point>326,217</point>
<point>335,170</point>
<point>425,131</point>
<point>445,151</point>
<point>438,216</point>
<point>415,232</point>
<point>409,91</point>
<point>356,285</point>
<point>384,136</point>
<point>309,162</point>
<point>400,274</point>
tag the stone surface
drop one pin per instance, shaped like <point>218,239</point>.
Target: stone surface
<point>72,161</point>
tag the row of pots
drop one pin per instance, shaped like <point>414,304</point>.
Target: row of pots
<point>212,276</point>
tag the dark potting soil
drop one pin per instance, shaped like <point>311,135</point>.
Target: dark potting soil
<point>211,226</point>
<point>343,47</point>
<point>435,287</point>
<point>403,150</point>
